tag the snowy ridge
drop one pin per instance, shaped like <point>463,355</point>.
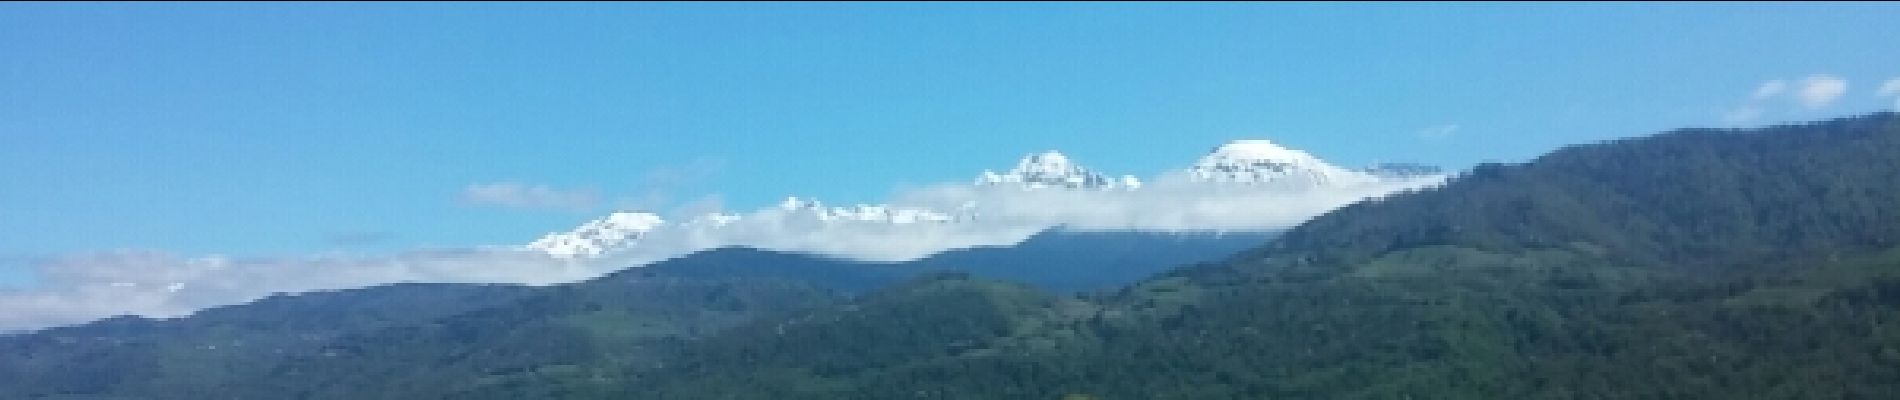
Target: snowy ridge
<point>1051,169</point>
<point>1253,165</point>
<point>623,229</point>
<point>1263,162</point>
<point>862,212</point>
<point>598,236</point>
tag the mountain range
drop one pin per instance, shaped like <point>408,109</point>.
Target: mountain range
<point>1698,263</point>
<point>1258,164</point>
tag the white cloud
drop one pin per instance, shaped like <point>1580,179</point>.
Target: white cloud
<point>1007,216</point>
<point>1821,90</point>
<point>1438,132</point>
<point>1756,104</point>
<point>525,196</point>
<point>1769,89</point>
<point>1813,92</point>
<point>1742,115</point>
<point>1891,88</point>
<point>85,287</point>
<point>855,240</point>
<point>1163,205</point>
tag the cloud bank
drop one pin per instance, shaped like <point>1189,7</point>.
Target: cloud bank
<point>85,287</point>
<point>1821,90</point>
<point>1006,215</point>
<point>1167,205</point>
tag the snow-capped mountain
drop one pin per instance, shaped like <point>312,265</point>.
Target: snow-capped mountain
<point>1256,164</point>
<point>598,236</point>
<point>1051,169</point>
<point>1263,162</point>
<point>622,229</point>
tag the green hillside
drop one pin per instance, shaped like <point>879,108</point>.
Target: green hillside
<point>1692,264</point>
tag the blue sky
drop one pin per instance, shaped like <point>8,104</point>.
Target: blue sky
<point>259,129</point>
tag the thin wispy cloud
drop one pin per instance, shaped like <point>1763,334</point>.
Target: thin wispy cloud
<point>1811,93</point>
<point>1742,115</point>
<point>1769,90</point>
<point>1438,132</point>
<point>1751,109</point>
<point>1821,90</point>
<point>357,238</point>
<point>1890,89</point>
<point>708,204</point>
<point>530,196</point>
<point>84,287</point>
<point>658,187</point>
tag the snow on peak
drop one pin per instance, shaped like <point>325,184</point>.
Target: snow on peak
<point>862,212</point>
<point>1260,149</point>
<point>1261,161</point>
<point>598,236</point>
<point>1051,169</point>
<point>1049,162</point>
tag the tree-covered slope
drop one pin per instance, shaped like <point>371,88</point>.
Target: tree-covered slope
<point>502,341</point>
<point>1078,261</point>
<point>221,343</point>
<point>1692,198</point>
<point>1693,264</point>
<point>872,347</point>
<point>413,341</point>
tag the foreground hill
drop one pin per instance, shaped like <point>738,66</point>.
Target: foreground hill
<point>451,340</point>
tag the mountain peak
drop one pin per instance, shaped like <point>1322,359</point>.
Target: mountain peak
<point>598,236</point>
<point>1049,161</point>
<point>1255,150</point>
<point>1053,169</point>
<point>1258,161</point>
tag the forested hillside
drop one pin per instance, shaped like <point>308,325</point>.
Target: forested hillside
<point>1699,263</point>
<point>462,341</point>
